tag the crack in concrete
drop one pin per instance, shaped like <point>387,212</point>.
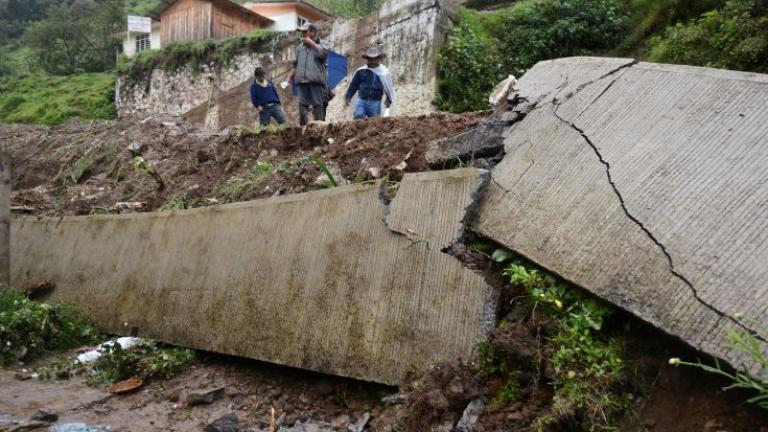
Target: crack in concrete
<point>647,232</point>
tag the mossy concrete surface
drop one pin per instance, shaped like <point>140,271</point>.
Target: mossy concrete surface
<point>315,280</point>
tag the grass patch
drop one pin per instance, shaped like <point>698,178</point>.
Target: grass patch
<point>589,373</point>
<point>28,327</point>
<point>50,100</point>
<point>239,186</point>
<point>194,54</point>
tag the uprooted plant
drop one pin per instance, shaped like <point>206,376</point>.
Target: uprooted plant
<point>147,359</point>
<point>142,165</point>
<point>29,327</point>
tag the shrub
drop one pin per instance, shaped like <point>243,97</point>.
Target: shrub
<point>28,327</point>
<point>735,37</point>
<point>485,47</point>
<point>586,361</point>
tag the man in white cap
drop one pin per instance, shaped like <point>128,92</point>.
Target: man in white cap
<point>310,74</point>
<point>371,82</point>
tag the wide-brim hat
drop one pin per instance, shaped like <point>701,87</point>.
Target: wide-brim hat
<point>306,27</point>
<point>372,53</point>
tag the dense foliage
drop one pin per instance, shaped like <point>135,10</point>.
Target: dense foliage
<point>78,37</point>
<point>28,327</point>
<point>735,37</point>
<point>485,47</point>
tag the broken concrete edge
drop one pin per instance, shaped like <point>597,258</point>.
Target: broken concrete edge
<point>483,177</point>
<point>529,100</point>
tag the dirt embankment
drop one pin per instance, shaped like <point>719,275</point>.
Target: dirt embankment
<point>149,164</point>
<point>86,168</point>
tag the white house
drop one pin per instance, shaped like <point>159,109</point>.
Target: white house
<point>288,15</point>
<point>134,43</point>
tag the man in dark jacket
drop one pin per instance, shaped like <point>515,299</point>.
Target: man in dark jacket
<point>371,82</point>
<point>264,97</point>
<point>310,74</point>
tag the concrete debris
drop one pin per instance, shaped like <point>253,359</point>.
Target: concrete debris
<point>504,91</point>
<point>45,416</point>
<point>395,399</point>
<point>470,416</point>
<point>644,184</point>
<point>129,207</point>
<point>226,423</point>
<point>354,295</point>
<point>204,396</point>
<point>486,140</point>
<point>360,424</point>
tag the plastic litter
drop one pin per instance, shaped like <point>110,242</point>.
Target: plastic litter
<point>125,343</point>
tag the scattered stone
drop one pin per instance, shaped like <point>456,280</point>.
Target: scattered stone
<point>227,423</point>
<point>45,416</point>
<point>324,388</point>
<point>341,421</point>
<point>63,374</point>
<point>359,425</point>
<point>22,376</point>
<point>470,416</point>
<point>395,399</point>
<point>129,207</point>
<point>27,426</point>
<point>204,396</point>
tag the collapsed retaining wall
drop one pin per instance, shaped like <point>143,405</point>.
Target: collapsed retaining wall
<point>409,31</point>
<point>647,185</point>
<point>319,280</point>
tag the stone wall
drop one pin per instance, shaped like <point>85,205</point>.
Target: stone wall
<point>409,31</point>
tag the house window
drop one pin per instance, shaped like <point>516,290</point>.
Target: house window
<point>142,42</point>
<point>300,21</point>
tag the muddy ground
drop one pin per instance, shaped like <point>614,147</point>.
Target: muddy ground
<point>86,168</point>
<point>160,163</point>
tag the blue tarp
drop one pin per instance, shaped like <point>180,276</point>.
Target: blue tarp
<point>337,71</point>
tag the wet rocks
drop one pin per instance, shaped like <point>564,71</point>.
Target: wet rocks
<point>226,423</point>
<point>204,396</point>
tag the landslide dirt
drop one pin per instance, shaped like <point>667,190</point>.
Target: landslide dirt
<point>86,168</point>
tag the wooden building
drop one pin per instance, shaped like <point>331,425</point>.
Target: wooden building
<point>187,20</point>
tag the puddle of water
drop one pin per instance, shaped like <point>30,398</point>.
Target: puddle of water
<point>76,427</point>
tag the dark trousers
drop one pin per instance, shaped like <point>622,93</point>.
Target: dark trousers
<point>311,95</point>
<point>269,112</point>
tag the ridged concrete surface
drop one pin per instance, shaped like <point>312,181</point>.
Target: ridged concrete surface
<point>315,280</point>
<point>647,186</point>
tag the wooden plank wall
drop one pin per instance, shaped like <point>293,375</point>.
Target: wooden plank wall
<point>228,22</point>
<point>186,20</point>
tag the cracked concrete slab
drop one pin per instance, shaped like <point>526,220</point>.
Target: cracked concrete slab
<point>646,186</point>
<point>316,280</point>
<point>424,210</point>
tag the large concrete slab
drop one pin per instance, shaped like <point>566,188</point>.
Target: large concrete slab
<point>646,184</point>
<point>316,280</point>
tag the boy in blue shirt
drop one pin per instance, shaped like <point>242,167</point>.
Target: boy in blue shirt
<point>264,97</point>
<point>371,82</point>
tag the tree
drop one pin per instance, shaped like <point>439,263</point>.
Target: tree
<point>77,36</point>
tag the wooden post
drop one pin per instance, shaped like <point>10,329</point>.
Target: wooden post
<point>5,217</point>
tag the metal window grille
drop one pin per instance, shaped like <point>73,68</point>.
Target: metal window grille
<point>142,43</point>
